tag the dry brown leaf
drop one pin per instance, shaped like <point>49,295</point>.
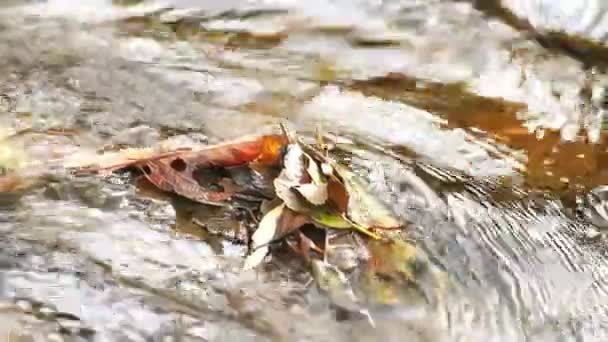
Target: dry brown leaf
<point>285,192</point>
<point>174,175</point>
<point>337,195</point>
<point>263,236</point>
<point>89,162</point>
<point>315,191</point>
<point>292,175</point>
<point>300,184</point>
<point>289,222</point>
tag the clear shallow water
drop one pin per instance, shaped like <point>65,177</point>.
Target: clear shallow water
<point>452,90</point>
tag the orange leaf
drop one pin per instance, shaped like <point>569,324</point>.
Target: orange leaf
<point>271,149</point>
<point>264,149</point>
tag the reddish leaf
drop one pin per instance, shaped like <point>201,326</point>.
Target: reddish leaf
<point>174,171</point>
<point>175,175</point>
<point>337,195</point>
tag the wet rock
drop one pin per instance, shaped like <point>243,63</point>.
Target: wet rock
<point>91,194</point>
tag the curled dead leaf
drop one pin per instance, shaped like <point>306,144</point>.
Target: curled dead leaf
<point>292,175</point>
<point>293,165</point>
<point>263,236</point>
<point>276,224</point>
<point>314,192</point>
<point>301,183</point>
<point>268,205</point>
<point>284,191</point>
<point>302,245</point>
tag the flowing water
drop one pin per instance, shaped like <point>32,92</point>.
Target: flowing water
<point>480,122</point>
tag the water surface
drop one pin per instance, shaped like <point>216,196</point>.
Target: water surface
<point>480,123</point>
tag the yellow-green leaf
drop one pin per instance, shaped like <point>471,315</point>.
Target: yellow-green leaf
<point>329,219</point>
<point>364,208</point>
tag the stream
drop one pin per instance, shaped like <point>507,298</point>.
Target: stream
<point>481,123</point>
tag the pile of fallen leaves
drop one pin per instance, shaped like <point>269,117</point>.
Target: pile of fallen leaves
<point>284,190</point>
<point>308,188</point>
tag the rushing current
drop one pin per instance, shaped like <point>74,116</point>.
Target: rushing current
<point>479,122</point>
